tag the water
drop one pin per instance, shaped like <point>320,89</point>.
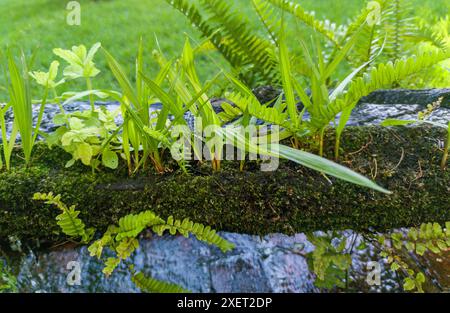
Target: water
<point>274,263</point>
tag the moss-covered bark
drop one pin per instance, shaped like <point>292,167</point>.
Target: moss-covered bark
<point>292,199</point>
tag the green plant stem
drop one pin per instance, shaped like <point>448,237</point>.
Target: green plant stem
<point>41,114</point>
<point>322,133</point>
<point>61,108</point>
<point>91,97</point>
<point>337,146</point>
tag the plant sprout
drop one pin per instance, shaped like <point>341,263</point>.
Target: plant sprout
<point>81,64</point>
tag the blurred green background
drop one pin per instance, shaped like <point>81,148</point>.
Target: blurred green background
<point>119,24</point>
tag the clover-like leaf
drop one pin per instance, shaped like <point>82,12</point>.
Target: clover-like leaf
<point>110,159</point>
<point>47,79</point>
<point>80,61</point>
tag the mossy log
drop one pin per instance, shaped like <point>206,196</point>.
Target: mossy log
<point>289,200</point>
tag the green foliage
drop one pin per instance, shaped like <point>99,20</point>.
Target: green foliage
<point>8,145</point>
<point>68,220</point>
<point>306,17</point>
<point>230,33</point>
<point>186,227</point>
<point>122,239</point>
<point>139,127</point>
<point>398,26</point>
<point>151,285</point>
<point>48,79</point>
<point>20,101</point>
<point>80,61</point>
<point>81,64</point>
<point>383,75</point>
<point>88,137</point>
<point>329,261</point>
<point>8,281</point>
<point>429,237</point>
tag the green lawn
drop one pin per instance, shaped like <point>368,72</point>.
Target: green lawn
<point>119,24</point>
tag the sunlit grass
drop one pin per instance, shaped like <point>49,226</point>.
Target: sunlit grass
<point>118,25</point>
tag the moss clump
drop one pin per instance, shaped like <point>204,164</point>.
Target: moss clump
<point>291,199</point>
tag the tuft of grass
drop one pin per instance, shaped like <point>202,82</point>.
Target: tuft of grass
<point>20,100</point>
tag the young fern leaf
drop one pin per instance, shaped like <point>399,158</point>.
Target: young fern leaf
<point>68,220</point>
<point>151,285</point>
<point>126,247</point>
<point>96,248</point>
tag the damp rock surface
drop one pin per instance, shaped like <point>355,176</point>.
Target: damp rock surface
<point>274,263</point>
<point>268,264</point>
<point>371,110</point>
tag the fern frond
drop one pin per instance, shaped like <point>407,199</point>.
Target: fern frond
<point>267,16</point>
<point>96,248</point>
<point>232,37</point>
<point>229,112</point>
<point>208,30</point>
<point>306,17</point>
<point>187,227</point>
<point>151,285</point>
<point>68,220</point>
<point>371,37</point>
<point>126,247</point>
<point>110,265</point>
<point>398,25</point>
<point>425,33</point>
<point>381,76</point>
<point>133,224</point>
<point>254,108</point>
<point>243,40</point>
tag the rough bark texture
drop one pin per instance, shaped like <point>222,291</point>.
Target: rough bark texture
<point>291,199</point>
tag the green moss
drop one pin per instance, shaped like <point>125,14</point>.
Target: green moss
<point>291,199</point>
